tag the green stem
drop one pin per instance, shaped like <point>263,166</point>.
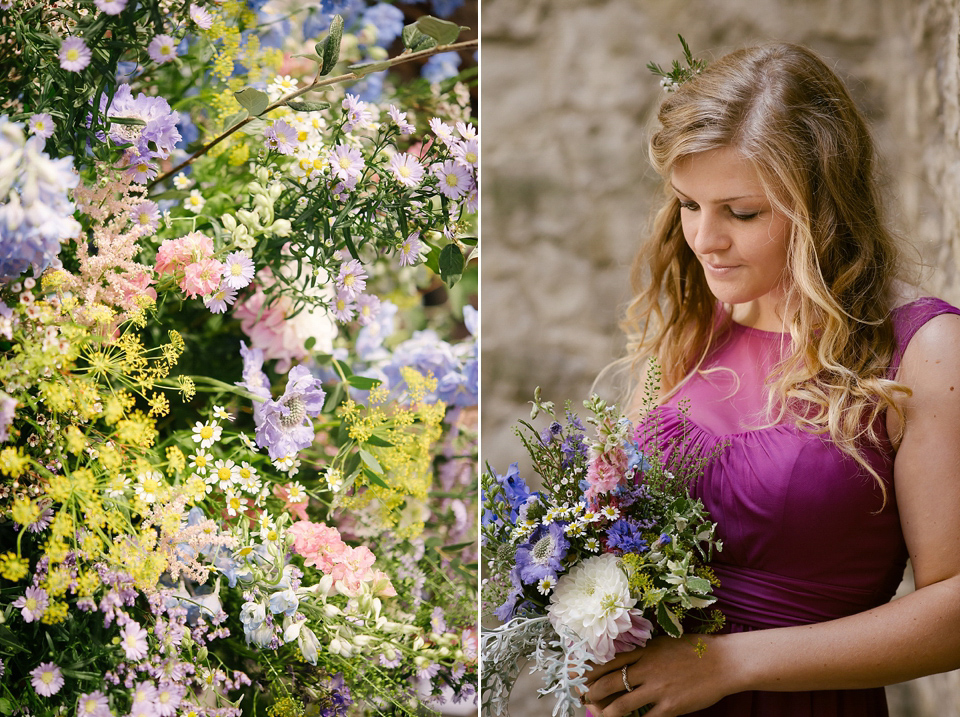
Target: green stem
<point>392,62</point>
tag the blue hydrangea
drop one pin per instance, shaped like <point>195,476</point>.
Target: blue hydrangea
<point>387,19</point>
<point>36,214</point>
<point>441,67</point>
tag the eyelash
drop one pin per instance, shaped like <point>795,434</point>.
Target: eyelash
<point>691,206</point>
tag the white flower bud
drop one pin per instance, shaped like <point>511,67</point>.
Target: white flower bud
<point>281,227</point>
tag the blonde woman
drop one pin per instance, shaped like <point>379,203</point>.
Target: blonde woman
<point>768,292</point>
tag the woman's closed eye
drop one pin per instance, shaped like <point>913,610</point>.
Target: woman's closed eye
<point>741,216</point>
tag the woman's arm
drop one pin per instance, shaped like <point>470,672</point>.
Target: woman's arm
<point>913,636</point>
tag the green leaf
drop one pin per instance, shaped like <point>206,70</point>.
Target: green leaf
<point>307,106</point>
<point>310,342</point>
<point>370,67</point>
<point>364,383</point>
<point>371,461</point>
<point>376,440</point>
<point>336,395</point>
<point>415,40</point>
<point>668,621</point>
<point>127,120</point>
<point>6,706</point>
<point>311,56</point>
<point>329,47</point>
<point>234,119</point>
<point>451,264</point>
<point>252,100</point>
<point>344,368</point>
<point>374,478</point>
<point>698,585</point>
<point>458,546</point>
<point>443,31</point>
<point>469,241</point>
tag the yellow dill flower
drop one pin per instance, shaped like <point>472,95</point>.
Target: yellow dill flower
<point>13,567</point>
<point>56,395</point>
<point>137,430</point>
<point>57,612</point>
<point>109,458</point>
<point>56,550</point>
<point>53,280</point>
<point>12,462</point>
<point>188,388</point>
<point>62,525</point>
<point>24,511</point>
<point>286,707</point>
<point>75,440</point>
<point>100,314</point>
<point>113,410</point>
<point>239,153</point>
<point>348,409</point>
<point>378,394</point>
<point>94,517</point>
<point>84,482</point>
<point>176,461</point>
<point>159,405</point>
<point>87,582</point>
<point>145,301</point>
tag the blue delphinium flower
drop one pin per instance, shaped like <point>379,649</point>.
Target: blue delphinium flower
<point>624,536</point>
<point>284,427</point>
<point>506,610</point>
<point>387,19</point>
<point>442,66</point>
<point>35,211</point>
<point>543,555</point>
<point>515,490</point>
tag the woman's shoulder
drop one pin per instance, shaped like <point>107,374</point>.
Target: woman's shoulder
<point>926,327</point>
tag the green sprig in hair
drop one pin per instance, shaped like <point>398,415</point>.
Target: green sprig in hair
<point>678,74</point>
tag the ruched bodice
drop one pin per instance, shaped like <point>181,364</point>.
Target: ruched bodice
<point>806,534</point>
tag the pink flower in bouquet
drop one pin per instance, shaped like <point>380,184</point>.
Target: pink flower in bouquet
<point>201,277</point>
<point>136,284</point>
<point>295,508</point>
<point>606,470</point>
<point>353,568</point>
<point>318,543</point>
<point>175,254</point>
<point>381,585</point>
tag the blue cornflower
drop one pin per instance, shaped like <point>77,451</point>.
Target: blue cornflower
<point>624,536</point>
<point>543,556</point>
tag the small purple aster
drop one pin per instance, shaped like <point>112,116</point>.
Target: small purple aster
<point>133,640</point>
<point>368,306</point>
<point>146,214</point>
<point>111,7</point>
<point>352,279</point>
<point>254,379</point>
<point>141,169</point>
<point>201,16</point>
<point>162,48</point>
<point>46,679</point>
<point>74,54</point>
<point>346,162</point>
<point>281,137</point>
<point>543,556</point>
<point>356,113</point>
<point>466,152</point>
<point>454,179</point>
<point>41,125</point>
<point>406,169</point>
<point>93,704</point>
<point>284,427</point>
<point>344,308</point>
<point>219,300</point>
<point>169,696</point>
<point>32,604</point>
<point>238,270</point>
<point>400,119</point>
<point>410,250</point>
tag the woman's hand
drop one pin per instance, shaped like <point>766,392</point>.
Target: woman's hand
<point>667,673</point>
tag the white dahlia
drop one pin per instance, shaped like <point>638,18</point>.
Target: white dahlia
<point>593,601</point>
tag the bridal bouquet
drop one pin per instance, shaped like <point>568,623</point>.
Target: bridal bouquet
<point>609,551</point>
<point>237,358</point>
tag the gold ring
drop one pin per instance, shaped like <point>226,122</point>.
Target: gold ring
<point>626,682</point>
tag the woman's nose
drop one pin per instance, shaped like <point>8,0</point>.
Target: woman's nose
<point>711,234</point>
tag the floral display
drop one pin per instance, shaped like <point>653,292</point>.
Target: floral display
<point>611,550</point>
<point>238,358</point>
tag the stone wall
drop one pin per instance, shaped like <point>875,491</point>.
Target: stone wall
<point>567,102</point>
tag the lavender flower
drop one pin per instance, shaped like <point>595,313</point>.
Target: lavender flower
<point>35,212</point>
<point>281,137</point>
<point>41,125</point>
<point>74,54</point>
<point>543,556</point>
<point>238,270</point>
<point>32,604</point>
<point>146,214</point>
<point>406,169</point>
<point>284,426</point>
<point>46,679</point>
<point>400,119</point>
<point>133,639</point>
<point>201,16</point>
<point>455,180</point>
<point>344,307</point>
<point>111,7</point>
<point>93,704</point>
<point>254,379</point>
<point>162,48</point>
<point>356,112</point>
<point>346,162</point>
<point>410,250</point>
<point>351,280</point>
<point>159,130</point>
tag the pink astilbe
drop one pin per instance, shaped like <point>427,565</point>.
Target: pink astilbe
<point>606,470</point>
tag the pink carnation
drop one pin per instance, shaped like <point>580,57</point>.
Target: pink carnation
<point>319,544</point>
<point>605,472</point>
<point>201,277</point>
<point>175,254</point>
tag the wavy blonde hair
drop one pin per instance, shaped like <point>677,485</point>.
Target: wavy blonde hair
<point>783,109</point>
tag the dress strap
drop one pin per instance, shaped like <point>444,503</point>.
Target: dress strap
<point>908,319</point>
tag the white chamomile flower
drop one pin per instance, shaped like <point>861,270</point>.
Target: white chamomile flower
<point>226,473</point>
<point>297,493</point>
<point>200,462</point>
<point>574,530</point>
<point>221,413</point>
<point>284,463</point>
<point>206,434</point>
<point>592,544</point>
<point>249,480</point>
<point>148,486</point>
<point>546,585</point>
<point>334,479</point>
<point>182,181</point>
<point>116,488</point>
<point>194,202</point>
<point>610,512</point>
<point>589,517</point>
<point>235,503</point>
<point>269,533</point>
<point>248,442</point>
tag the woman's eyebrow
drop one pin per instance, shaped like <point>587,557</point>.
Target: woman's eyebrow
<point>721,201</point>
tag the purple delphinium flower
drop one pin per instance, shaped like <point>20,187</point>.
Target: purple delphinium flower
<point>352,279</point>
<point>455,180</point>
<point>543,555</point>
<point>410,250</point>
<point>146,214</point>
<point>8,406</point>
<point>624,536</point>
<point>41,125</point>
<point>346,162</point>
<point>46,679</point>
<point>32,604</point>
<point>160,128</point>
<point>93,704</point>
<point>74,54</point>
<point>111,7</point>
<point>506,610</point>
<point>281,137</point>
<point>162,48</point>
<point>284,427</point>
<point>406,169</point>
<point>238,270</point>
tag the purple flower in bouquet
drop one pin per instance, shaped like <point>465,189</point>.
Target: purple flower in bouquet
<point>41,125</point>
<point>160,126</point>
<point>441,67</point>
<point>93,704</point>
<point>284,427</point>
<point>514,492</point>
<point>46,679</point>
<point>32,604</point>
<point>254,379</point>
<point>162,48</point>
<point>74,54</point>
<point>455,180</point>
<point>111,7</point>
<point>593,602</point>
<point>624,535</point>
<point>281,137</point>
<point>542,557</point>
<point>506,611</point>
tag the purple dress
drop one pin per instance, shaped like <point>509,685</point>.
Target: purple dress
<point>804,536</point>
